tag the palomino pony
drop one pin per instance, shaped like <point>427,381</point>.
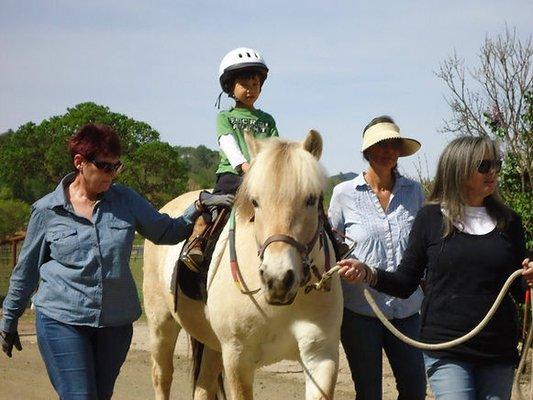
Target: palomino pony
<point>267,317</point>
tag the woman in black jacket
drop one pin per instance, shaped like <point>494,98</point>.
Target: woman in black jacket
<point>466,243</point>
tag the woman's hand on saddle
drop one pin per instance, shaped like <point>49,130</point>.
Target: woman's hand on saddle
<point>527,265</point>
<point>352,270</point>
<point>8,340</point>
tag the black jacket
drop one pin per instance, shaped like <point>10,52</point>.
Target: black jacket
<point>464,274</point>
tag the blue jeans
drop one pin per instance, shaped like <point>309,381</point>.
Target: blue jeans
<point>451,379</point>
<point>363,339</point>
<point>82,362</point>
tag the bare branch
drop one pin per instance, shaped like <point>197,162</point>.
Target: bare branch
<point>489,99</point>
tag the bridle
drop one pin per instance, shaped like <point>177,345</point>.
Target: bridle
<point>303,249</point>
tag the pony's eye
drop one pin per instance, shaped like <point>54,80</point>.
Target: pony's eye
<point>310,201</point>
<point>255,203</point>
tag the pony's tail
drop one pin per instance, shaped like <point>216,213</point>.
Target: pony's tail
<point>197,352</point>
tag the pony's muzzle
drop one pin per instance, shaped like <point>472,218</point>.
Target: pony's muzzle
<point>279,289</point>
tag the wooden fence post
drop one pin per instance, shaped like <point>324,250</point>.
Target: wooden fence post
<point>13,253</point>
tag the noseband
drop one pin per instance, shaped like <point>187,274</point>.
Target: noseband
<point>303,249</point>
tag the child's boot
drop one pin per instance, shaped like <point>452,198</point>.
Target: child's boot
<point>193,252</point>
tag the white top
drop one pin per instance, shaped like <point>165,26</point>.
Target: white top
<point>381,236</point>
<point>229,146</point>
<point>476,221</point>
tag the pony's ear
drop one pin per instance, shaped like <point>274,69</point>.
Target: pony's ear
<point>313,143</point>
<point>254,146</point>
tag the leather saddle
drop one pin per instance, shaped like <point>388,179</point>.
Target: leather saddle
<point>194,284</point>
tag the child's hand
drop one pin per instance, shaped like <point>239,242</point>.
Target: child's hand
<point>245,167</point>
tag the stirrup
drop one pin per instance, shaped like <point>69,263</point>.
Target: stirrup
<point>190,263</point>
<point>192,255</point>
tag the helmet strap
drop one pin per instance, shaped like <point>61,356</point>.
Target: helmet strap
<point>217,103</point>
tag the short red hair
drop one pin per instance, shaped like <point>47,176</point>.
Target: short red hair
<point>95,139</point>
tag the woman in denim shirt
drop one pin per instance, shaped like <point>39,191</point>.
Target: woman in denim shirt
<point>77,252</point>
<point>376,210</point>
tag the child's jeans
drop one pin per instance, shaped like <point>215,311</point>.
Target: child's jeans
<point>451,379</point>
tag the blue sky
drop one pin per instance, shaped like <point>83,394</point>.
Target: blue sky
<point>333,65</point>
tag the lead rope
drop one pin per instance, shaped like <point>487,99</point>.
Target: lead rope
<point>526,345</point>
<point>445,345</point>
<point>451,343</point>
<point>322,284</point>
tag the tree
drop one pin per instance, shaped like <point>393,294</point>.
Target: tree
<point>34,158</point>
<point>202,163</point>
<point>13,214</point>
<point>513,185</point>
<point>156,170</point>
<point>496,100</point>
<point>495,106</point>
<point>22,164</point>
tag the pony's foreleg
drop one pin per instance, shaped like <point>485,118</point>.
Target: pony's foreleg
<point>320,362</point>
<point>239,373</point>
<point>208,377</point>
<point>163,336</point>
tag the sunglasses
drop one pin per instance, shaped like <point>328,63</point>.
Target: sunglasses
<point>394,143</point>
<point>108,166</point>
<point>485,166</point>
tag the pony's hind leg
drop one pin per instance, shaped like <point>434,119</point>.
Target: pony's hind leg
<point>209,379</point>
<point>163,335</point>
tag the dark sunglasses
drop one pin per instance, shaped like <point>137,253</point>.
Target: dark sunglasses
<point>485,166</point>
<point>394,143</point>
<point>108,166</point>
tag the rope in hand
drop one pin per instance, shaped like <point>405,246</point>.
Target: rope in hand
<point>451,343</point>
<point>320,285</point>
<point>326,276</point>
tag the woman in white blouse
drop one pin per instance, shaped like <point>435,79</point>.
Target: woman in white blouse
<point>376,210</point>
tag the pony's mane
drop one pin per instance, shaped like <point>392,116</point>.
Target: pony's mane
<point>282,171</point>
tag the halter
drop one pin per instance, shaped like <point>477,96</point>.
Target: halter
<point>303,249</point>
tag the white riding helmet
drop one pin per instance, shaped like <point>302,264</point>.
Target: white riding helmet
<point>237,60</point>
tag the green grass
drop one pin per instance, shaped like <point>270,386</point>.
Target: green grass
<point>136,266</point>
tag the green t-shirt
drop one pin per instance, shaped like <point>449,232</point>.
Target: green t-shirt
<point>234,122</point>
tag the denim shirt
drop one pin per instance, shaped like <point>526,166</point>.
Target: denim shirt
<point>81,267</point>
<point>381,237</point>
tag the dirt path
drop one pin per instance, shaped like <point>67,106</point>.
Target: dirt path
<point>24,376</point>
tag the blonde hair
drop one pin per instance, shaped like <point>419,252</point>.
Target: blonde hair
<point>457,163</point>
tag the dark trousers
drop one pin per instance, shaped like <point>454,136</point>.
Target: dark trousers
<point>363,339</point>
<point>82,362</point>
<point>227,183</point>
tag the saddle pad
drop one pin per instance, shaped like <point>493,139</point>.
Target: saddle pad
<point>170,262</point>
<point>174,252</point>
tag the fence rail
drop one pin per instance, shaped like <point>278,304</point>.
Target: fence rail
<point>6,266</point>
